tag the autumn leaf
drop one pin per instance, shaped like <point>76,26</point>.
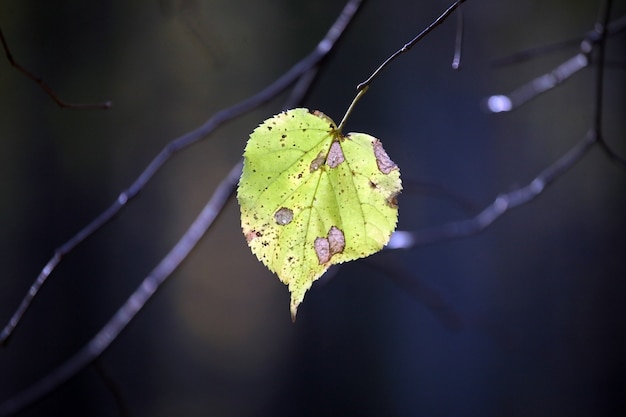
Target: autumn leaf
<point>311,197</point>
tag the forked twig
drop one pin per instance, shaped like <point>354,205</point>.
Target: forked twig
<point>61,103</point>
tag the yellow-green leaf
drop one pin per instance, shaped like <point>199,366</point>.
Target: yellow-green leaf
<point>311,197</point>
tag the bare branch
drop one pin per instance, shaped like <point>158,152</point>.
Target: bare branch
<point>411,43</point>
<point>61,103</point>
<point>516,98</point>
<point>221,117</point>
<point>103,339</point>
<point>303,74</point>
<point>546,82</point>
<point>502,204</point>
<point>127,312</point>
<point>505,202</point>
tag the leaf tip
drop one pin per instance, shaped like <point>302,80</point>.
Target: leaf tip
<point>294,311</point>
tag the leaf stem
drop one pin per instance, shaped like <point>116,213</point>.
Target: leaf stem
<point>358,96</point>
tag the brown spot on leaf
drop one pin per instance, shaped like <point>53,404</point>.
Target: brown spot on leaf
<point>335,155</point>
<point>251,235</point>
<point>385,164</point>
<point>322,250</point>
<point>317,162</point>
<point>283,216</point>
<point>392,200</point>
<point>326,247</point>
<point>336,240</point>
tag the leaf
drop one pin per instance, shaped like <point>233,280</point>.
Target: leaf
<point>311,197</point>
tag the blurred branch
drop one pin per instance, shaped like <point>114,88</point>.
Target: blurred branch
<point>593,40</point>
<point>307,70</point>
<point>502,204</point>
<point>614,28</point>
<point>303,73</point>
<point>61,103</point>
<point>524,195</point>
<point>124,315</point>
<point>221,117</point>
<point>546,82</point>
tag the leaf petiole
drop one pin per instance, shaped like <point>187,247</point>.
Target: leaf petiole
<point>349,111</point>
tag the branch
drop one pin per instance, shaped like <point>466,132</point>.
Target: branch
<point>61,103</point>
<point>410,44</point>
<point>128,311</point>
<point>546,82</point>
<point>221,117</point>
<point>125,314</point>
<point>502,204</point>
<point>524,195</point>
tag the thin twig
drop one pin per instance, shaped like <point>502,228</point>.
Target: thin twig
<point>113,388</point>
<point>602,31</point>
<point>221,117</point>
<point>458,43</point>
<point>61,103</point>
<point>411,43</point>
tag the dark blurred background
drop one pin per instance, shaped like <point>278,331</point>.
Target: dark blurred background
<point>525,319</point>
